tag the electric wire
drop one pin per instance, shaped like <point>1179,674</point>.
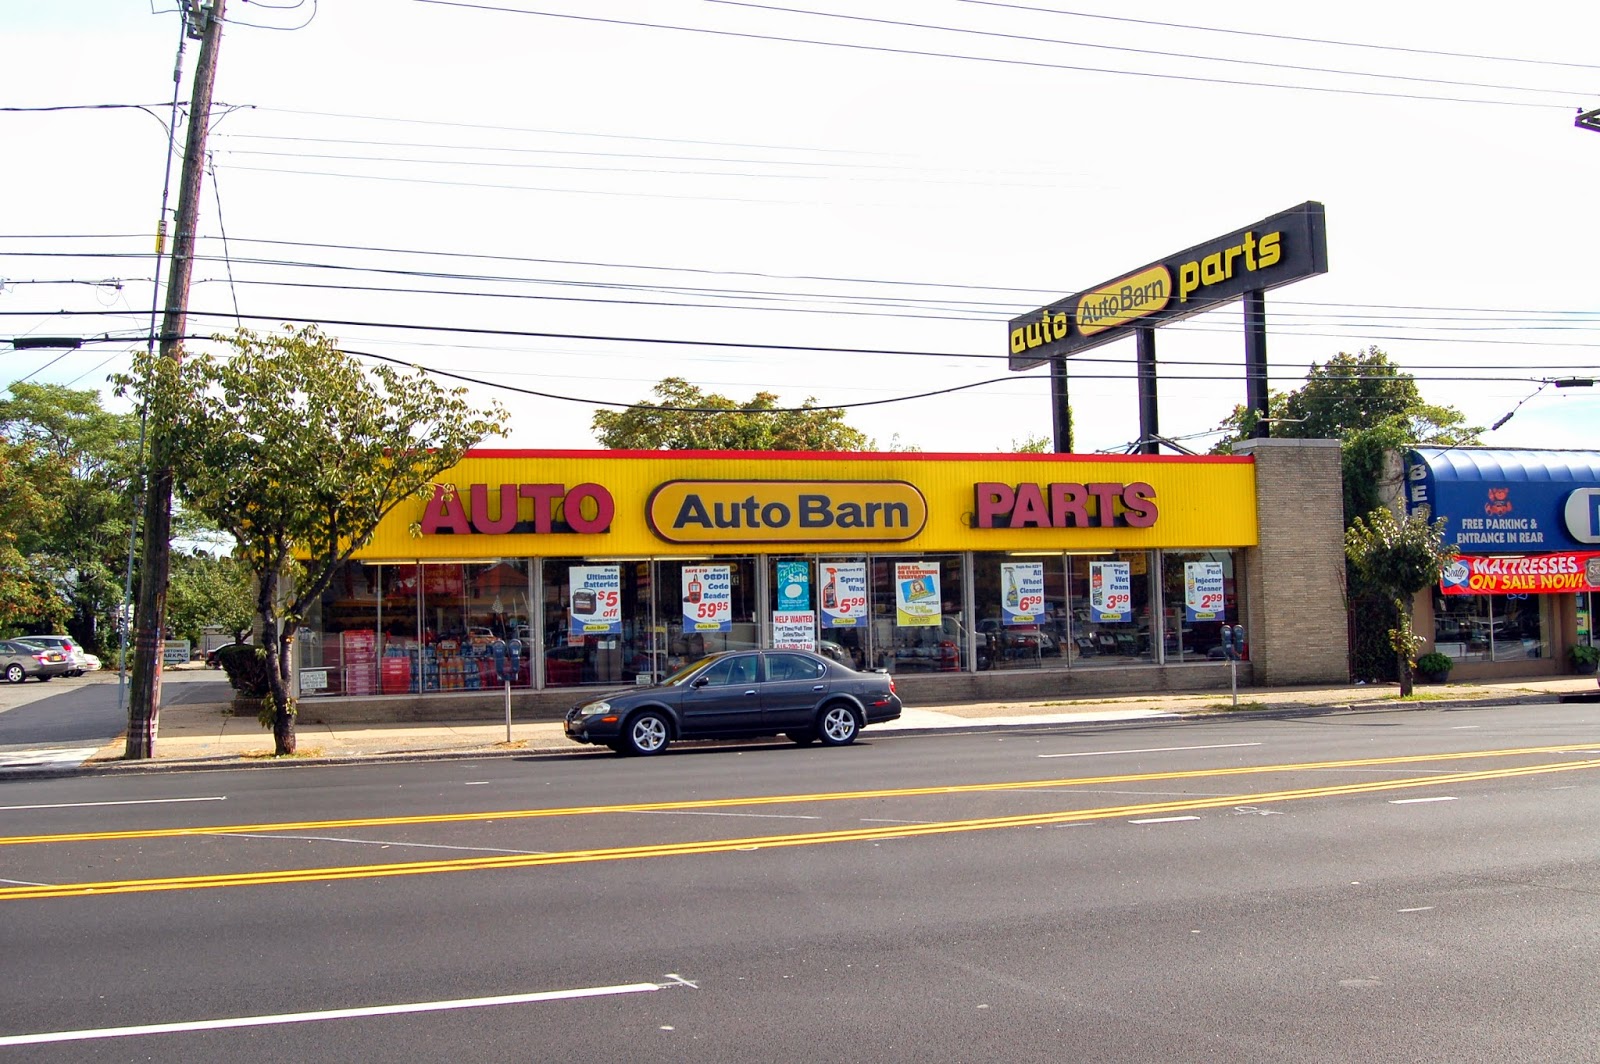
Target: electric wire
<point>996,60</point>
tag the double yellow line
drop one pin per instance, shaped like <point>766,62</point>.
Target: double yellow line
<point>781,799</point>
<point>681,849</point>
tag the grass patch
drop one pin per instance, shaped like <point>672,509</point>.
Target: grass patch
<point>1229,707</point>
<point>1420,696</point>
<point>268,755</point>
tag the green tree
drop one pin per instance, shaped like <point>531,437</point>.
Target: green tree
<point>70,528</point>
<point>687,419</point>
<point>206,589</point>
<point>298,451</point>
<point>1398,559</point>
<point>1374,410</point>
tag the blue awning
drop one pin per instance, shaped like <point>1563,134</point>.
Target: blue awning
<point>1508,500</point>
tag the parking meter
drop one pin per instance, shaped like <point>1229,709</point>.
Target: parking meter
<point>1227,641</point>
<point>1238,642</point>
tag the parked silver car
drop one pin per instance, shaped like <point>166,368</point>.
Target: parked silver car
<point>69,648</point>
<point>19,660</point>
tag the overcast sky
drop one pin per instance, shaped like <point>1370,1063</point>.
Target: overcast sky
<point>838,199</point>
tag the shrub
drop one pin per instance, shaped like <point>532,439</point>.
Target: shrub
<point>1434,664</point>
<point>246,666</point>
<point>1583,657</point>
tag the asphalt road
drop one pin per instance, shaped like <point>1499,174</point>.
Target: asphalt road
<point>66,710</point>
<point>1409,886</point>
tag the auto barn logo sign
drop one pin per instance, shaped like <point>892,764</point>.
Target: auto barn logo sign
<point>1275,251</point>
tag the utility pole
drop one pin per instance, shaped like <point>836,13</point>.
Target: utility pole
<point>144,695</point>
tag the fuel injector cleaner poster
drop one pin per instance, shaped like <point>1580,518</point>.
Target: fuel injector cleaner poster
<point>596,603</point>
<point>844,594</point>
<point>916,594</point>
<point>707,598</point>
<point>1110,592</point>
<point>1202,591</point>
<point>1021,591</point>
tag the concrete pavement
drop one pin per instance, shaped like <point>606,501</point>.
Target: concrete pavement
<point>197,733</point>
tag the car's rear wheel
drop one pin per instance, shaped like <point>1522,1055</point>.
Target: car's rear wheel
<point>14,674</point>
<point>802,738</point>
<point>647,733</point>
<point>837,726</point>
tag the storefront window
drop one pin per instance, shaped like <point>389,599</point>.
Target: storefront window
<point>917,614</point>
<point>843,615</point>
<point>1195,633</point>
<point>705,606</point>
<point>1521,624</point>
<point>338,639</point>
<point>1461,626</point>
<point>1120,635</point>
<point>598,625</point>
<point>1512,627</point>
<point>1021,604</point>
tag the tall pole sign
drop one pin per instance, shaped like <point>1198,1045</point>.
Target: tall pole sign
<point>1245,264</point>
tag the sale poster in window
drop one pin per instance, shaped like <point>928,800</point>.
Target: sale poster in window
<point>1202,591</point>
<point>916,594</point>
<point>595,603</point>
<point>707,598</point>
<point>843,594</point>
<point>1022,592</point>
<point>794,631</point>
<point>1110,592</point>
<point>794,586</point>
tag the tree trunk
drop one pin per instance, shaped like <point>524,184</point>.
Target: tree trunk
<point>1405,647</point>
<point>275,646</point>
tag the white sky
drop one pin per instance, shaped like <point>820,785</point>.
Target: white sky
<point>776,192</point>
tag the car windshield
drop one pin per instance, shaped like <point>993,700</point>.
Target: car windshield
<point>684,673</point>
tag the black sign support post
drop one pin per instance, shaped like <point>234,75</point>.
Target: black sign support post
<point>1060,411</point>
<point>1255,359</point>
<point>1149,430</point>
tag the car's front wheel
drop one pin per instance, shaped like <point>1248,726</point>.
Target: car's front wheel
<point>647,733</point>
<point>14,674</point>
<point>838,726</point>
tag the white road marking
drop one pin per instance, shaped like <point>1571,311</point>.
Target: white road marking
<point>1152,750</point>
<point>374,842</point>
<point>24,883</point>
<point>27,758</point>
<point>1163,819</point>
<point>132,801</point>
<point>1419,801</point>
<point>1465,727</point>
<point>476,783</point>
<point>330,1014</point>
<point>700,812</point>
<point>1418,909</point>
<point>888,820</point>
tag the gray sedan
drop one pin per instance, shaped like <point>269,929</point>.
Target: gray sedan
<point>739,695</point>
<point>19,660</point>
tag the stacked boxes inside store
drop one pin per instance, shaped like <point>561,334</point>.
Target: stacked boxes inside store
<point>358,650</point>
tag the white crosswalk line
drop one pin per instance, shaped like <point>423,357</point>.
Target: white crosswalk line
<point>75,755</point>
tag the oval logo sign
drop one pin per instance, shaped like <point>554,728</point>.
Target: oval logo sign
<point>1123,301</point>
<point>786,511</point>
<point>1582,514</point>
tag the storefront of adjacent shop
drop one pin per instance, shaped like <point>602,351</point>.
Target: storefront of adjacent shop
<point>1526,524</point>
<point>548,571</point>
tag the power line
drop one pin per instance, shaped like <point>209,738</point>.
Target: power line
<point>1281,36</point>
<point>1033,39</point>
<point>1031,63</point>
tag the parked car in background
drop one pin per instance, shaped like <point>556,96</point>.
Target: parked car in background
<point>740,694</point>
<point>19,660</point>
<point>69,648</point>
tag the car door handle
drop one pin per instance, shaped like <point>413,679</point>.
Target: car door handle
<point>751,691</point>
<point>820,687</point>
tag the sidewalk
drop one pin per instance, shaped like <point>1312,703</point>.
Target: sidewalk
<point>204,735</point>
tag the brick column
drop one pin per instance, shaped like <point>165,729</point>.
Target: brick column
<point>1295,612</point>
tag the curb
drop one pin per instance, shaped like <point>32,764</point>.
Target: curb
<point>1284,711</point>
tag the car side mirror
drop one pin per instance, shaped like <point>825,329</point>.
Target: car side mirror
<point>699,681</point>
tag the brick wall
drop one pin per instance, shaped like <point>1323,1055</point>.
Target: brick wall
<point>1294,577</point>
